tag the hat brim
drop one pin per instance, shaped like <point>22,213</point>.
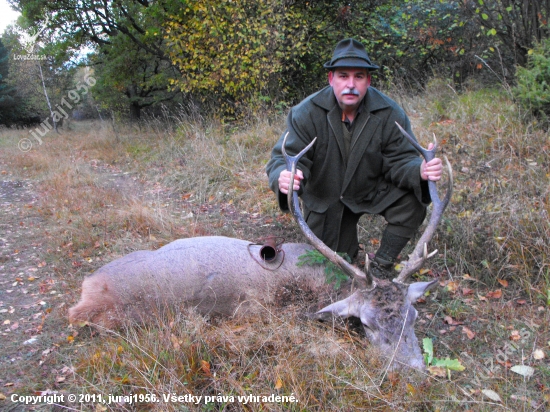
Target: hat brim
<point>351,63</point>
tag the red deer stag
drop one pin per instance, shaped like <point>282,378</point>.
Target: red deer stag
<point>226,276</point>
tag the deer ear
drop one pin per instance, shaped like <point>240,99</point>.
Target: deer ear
<point>418,289</point>
<point>343,308</point>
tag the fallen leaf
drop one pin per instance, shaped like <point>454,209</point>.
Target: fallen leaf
<point>515,335</point>
<point>503,282</point>
<point>507,364</point>
<point>521,301</point>
<point>523,370</point>
<point>468,332</point>
<point>2,397</point>
<point>438,371</point>
<point>452,287</point>
<point>205,367</point>
<point>279,383</point>
<point>467,291</point>
<point>497,294</point>
<point>538,354</point>
<point>491,395</point>
<point>450,321</point>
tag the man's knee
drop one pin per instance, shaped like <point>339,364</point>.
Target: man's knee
<point>405,216</point>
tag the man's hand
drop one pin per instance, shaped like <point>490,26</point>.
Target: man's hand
<point>432,170</point>
<point>284,180</point>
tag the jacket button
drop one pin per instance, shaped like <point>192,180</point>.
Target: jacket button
<point>341,197</point>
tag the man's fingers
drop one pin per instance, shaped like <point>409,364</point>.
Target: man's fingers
<point>284,180</point>
<point>433,170</point>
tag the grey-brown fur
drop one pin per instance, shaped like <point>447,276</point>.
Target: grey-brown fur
<point>215,275</point>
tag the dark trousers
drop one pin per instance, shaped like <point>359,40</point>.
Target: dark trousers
<point>337,227</point>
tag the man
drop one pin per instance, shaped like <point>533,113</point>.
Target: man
<point>361,163</point>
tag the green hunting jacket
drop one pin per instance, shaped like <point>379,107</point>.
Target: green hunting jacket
<point>382,164</point>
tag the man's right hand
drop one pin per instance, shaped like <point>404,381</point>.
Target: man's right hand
<point>284,180</point>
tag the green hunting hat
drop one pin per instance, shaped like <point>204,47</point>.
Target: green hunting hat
<point>350,53</point>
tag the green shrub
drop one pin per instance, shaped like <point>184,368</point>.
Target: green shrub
<point>533,81</point>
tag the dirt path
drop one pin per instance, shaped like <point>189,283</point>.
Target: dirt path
<point>28,289</point>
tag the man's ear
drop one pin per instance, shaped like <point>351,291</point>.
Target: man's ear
<point>369,78</point>
<point>330,77</point>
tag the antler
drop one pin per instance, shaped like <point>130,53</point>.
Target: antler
<point>420,252</point>
<point>365,280</point>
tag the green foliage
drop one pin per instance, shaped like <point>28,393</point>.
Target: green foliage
<point>432,362</point>
<point>243,56</point>
<point>516,24</point>
<point>12,107</point>
<point>130,78</point>
<point>333,273</point>
<point>533,81</point>
<point>224,48</point>
<point>6,92</point>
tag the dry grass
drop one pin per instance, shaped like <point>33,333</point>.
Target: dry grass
<point>107,191</point>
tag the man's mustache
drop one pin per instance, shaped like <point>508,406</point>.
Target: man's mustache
<point>350,91</point>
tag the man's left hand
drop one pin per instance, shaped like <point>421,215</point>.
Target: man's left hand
<point>432,170</point>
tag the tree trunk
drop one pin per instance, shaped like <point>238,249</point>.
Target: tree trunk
<point>135,111</point>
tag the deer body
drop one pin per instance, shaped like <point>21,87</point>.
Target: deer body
<point>216,275</point>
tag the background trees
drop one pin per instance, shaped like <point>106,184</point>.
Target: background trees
<point>234,57</point>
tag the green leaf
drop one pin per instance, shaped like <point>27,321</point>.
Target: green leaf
<point>428,346</point>
<point>484,16</point>
<point>451,364</point>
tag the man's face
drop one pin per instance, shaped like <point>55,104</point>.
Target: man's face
<point>350,86</point>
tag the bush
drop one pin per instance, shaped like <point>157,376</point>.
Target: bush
<point>533,81</point>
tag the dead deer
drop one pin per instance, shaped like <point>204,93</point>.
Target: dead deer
<point>226,276</point>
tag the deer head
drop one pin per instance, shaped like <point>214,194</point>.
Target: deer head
<point>384,307</point>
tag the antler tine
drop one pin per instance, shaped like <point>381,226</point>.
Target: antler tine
<point>365,280</point>
<point>420,252</point>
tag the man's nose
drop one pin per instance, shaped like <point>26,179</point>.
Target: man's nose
<point>351,83</point>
